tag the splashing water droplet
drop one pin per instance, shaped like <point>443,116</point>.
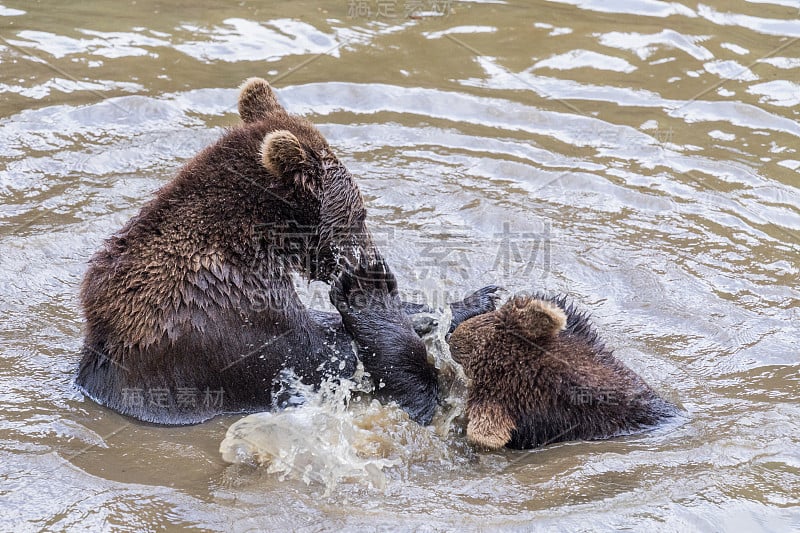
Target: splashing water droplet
<point>335,437</point>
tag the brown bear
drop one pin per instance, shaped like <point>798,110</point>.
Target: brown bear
<point>539,374</point>
<point>190,308</point>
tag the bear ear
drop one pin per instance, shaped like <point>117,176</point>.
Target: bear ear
<point>533,318</point>
<point>490,425</point>
<point>283,155</point>
<point>257,101</point>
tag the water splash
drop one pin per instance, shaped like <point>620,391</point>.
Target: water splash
<point>338,435</point>
<point>452,379</point>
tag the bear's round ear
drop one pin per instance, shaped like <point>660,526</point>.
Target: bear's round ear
<point>257,100</point>
<point>490,424</point>
<point>533,318</point>
<point>284,156</point>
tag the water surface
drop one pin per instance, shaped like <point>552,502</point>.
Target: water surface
<point>640,156</point>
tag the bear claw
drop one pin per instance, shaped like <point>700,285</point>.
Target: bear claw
<point>368,284</point>
<point>479,302</point>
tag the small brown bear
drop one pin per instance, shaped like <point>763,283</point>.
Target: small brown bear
<point>540,374</point>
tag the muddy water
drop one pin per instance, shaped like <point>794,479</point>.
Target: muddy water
<point>641,156</point>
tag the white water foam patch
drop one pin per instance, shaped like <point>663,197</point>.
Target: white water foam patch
<point>452,379</point>
<point>339,436</point>
<point>318,442</point>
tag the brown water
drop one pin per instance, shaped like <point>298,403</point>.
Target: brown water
<point>639,155</point>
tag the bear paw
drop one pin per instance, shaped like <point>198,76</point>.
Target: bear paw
<point>479,302</point>
<point>369,285</point>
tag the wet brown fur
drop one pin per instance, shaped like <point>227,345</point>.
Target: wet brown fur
<point>195,293</point>
<point>539,374</point>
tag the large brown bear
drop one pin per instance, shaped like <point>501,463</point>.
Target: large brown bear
<point>190,308</point>
<point>540,374</point>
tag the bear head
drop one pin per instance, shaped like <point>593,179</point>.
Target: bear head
<point>519,323</point>
<point>495,348</point>
<point>327,207</point>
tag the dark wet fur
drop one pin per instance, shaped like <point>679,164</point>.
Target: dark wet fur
<point>554,389</point>
<point>190,308</point>
<point>366,296</point>
<point>194,294</point>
